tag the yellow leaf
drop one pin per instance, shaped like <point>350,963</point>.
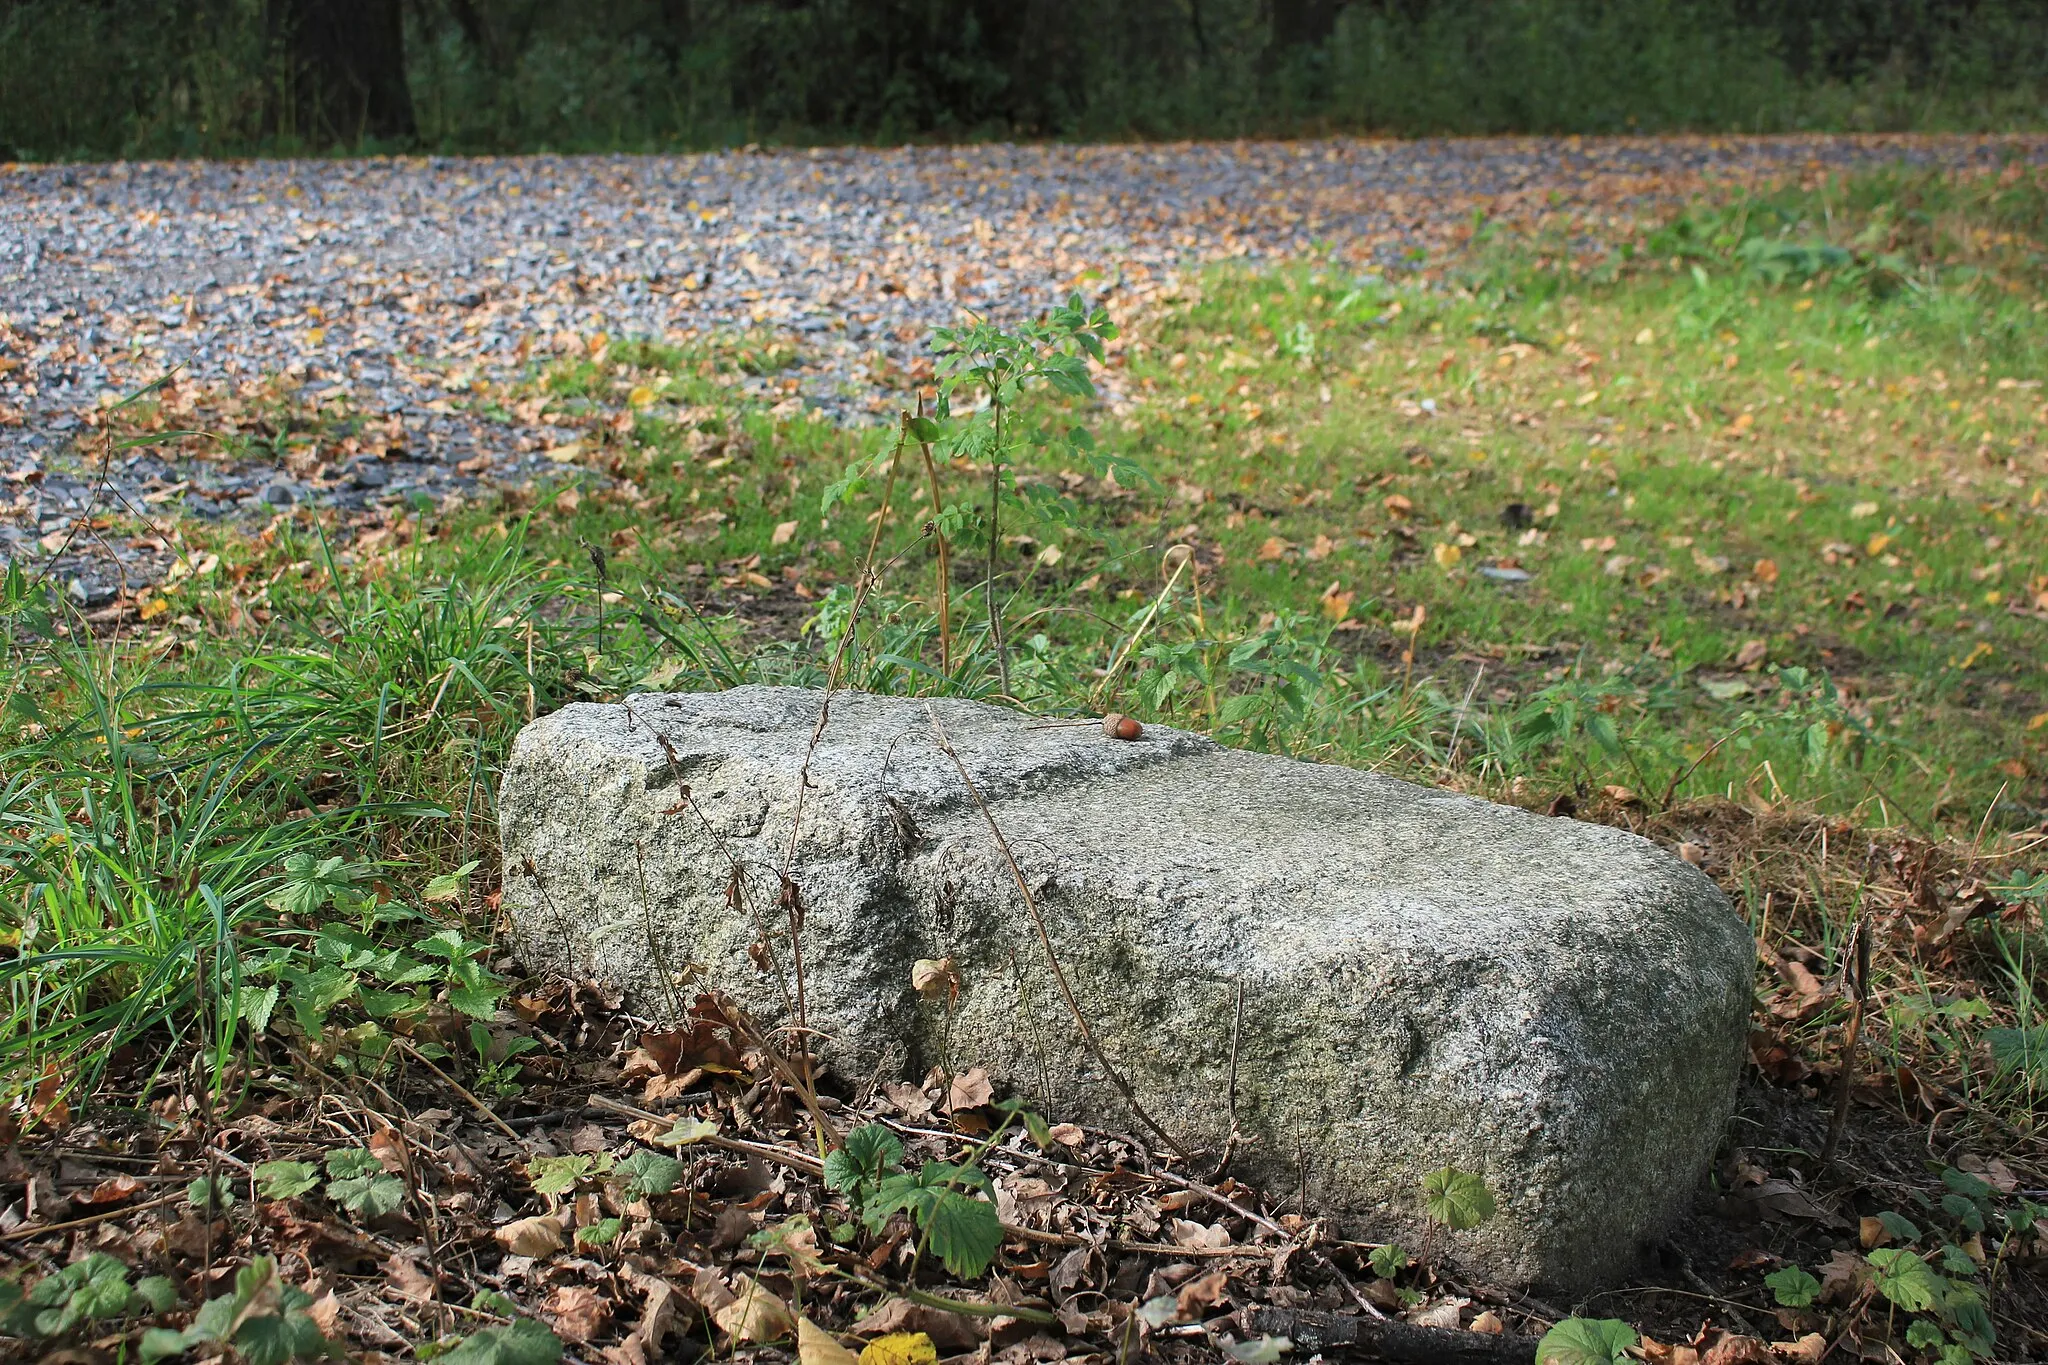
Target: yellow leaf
<point>1875,545</point>
<point>785,531</point>
<point>1590,396</point>
<point>815,1346</point>
<point>153,607</point>
<point>2038,721</point>
<point>1973,658</point>
<point>1446,556</point>
<point>1863,509</point>
<point>564,454</point>
<point>1645,337</point>
<point>900,1348</point>
<point>1802,305</point>
<point>641,396</point>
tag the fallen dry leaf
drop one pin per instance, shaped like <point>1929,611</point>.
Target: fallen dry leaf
<point>1808,1350</point>
<point>1446,1314</point>
<point>1489,1324</point>
<point>754,1315</point>
<point>643,1345</point>
<point>113,1190</point>
<point>1205,1291</point>
<point>408,1280</point>
<point>1658,1353</point>
<point>955,1332</point>
<point>1738,1350</point>
<point>936,978</point>
<point>909,1099</point>
<point>577,1312</point>
<point>1187,1234</point>
<point>537,1236</point>
<point>1783,1199</point>
<point>970,1090</point>
<point>816,1346</point>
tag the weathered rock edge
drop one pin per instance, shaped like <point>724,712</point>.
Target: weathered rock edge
<point>1428,978</point>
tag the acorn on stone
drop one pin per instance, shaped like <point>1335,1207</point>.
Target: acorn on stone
<point>1117,725</point>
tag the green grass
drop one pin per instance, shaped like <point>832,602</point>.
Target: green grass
<point>1774,471</point>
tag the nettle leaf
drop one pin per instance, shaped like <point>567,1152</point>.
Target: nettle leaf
<point>449,886</point>
<point>1457,1199</point>
<point>310,883</point>
<point>255,1005</point>
<point>525,1342</point>
<point>1586,1341</point>
<point>1906,1280</point>
<point>478,1001</point>
<point>966,1232</point>
<point>1793,1287</point>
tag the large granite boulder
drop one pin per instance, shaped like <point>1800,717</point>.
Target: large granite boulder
<point>1428,979</point>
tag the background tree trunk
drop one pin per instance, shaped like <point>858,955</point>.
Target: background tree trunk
<point>346,66</point>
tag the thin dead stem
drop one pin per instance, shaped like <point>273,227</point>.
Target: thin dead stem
<point>1052,957</point>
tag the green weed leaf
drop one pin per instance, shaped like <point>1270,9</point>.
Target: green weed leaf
<point>1457,1199</point>
<point>964,1231</point>
<point>867,1153</point>
<point>210,1194</point>
<point>557,1175</point>
<point>1388,1261</point>
<point>650,1173</point>
<point>368,1196</point>
<point>1586,1341</point>
<point>310,883</point>
<point>1906,1280</point>
<point>449,886</point>
<point>525,1342</point>
<point>1793,1287</point>
<point>346,1162</point>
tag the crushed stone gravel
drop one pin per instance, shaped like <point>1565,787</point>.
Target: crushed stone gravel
<point>407,291</point>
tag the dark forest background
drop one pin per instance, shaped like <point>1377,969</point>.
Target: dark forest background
<point>105,78</point>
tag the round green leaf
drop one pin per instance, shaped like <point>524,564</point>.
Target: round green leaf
<point>1586,1341</point>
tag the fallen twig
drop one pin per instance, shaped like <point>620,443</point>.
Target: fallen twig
<point>1386,1340</point>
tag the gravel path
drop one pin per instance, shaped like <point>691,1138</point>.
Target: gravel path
<point>402,289</point>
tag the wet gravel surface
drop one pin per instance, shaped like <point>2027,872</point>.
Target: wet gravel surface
<point>401,296</point>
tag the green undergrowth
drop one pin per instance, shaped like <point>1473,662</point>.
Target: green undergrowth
<point>1746,504</point>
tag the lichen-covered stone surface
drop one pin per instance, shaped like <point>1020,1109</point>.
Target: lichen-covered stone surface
<point>1428,979</point>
